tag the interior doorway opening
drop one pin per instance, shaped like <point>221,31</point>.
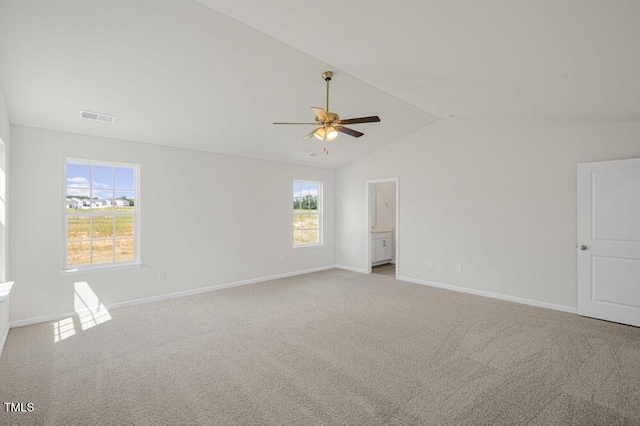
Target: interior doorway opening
<point>382,227</point>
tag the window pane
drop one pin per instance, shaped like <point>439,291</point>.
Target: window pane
<point>313,236</point>
<point>102,227</point>
<point>102,251</point>
<point>78,227</point>
<point>78,176</point>
<point>305,237</point>
<point>313,196</point>
<point>102,198</point>
<point>296,189</point>
<point>312,221</point>
<point>102,177</point>
<point>125,226</point>
<point>78,253</point>
<point>297,221</point>
<point>100,203</point>
<point>125,201</point>
<point>124,250</point>
<point>309,221</point>
<point>76,199</point>
<point>124,178</point>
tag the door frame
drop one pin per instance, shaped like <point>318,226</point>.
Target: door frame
<point>369,218</point>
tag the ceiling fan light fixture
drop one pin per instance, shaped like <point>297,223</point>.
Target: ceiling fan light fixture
<point>332,134</point>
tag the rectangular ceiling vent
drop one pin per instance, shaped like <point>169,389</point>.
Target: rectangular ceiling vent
<point>94,116</point>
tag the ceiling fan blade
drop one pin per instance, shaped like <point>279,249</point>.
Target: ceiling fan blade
<point>311,134</point>
<point>320,113</point>
<point>350,132</point>
<point>372,119</point>
<point>313,124</point>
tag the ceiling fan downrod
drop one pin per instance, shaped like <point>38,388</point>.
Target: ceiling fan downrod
<point>327,77</point>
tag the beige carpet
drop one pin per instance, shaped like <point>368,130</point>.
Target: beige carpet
<point>333,347</point>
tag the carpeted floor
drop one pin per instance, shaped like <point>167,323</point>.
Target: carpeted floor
<point>332,347</point>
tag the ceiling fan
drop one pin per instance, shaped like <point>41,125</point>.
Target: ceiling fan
<point>329,123</point>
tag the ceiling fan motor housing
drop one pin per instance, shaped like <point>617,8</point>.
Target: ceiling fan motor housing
<point>333,117</point>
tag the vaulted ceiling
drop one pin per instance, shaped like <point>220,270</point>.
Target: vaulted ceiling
<point>213,75</point>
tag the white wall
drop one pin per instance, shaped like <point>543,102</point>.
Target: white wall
<point>4,168</point>
<point>385,209</point>
<point>4,119</point>
<point>208,219</point>
<point>497,196</point>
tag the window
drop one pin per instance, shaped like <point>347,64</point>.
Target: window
<point>307,213</point>
<point>101,219</point>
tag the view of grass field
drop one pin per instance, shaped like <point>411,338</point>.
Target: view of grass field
<point>100,213</point>
<point>306,227</point>
<point>104,251</point>
<point>106,238</point>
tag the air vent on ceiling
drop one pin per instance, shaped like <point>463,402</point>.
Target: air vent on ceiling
<point>105,118</point>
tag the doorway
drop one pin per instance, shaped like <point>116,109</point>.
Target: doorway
<point>382,254</point>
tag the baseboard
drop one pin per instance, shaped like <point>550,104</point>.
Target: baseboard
<point>351,268</point>
<point>43,318</point>
<point>499,296</point>
<point>214,288</point>
<point>57,317</point>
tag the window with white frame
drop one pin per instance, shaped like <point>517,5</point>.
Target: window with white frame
<point>307,213</point>
<point>101,214</point>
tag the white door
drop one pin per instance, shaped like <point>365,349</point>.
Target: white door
<point>609,240</point>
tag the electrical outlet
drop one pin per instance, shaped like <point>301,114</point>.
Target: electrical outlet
<point>162,274</point>
<point>459,267</point>
<point>283,257</point>
<point>430,264</point>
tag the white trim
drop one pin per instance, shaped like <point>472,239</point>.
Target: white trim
<point>515,299</point>
<point>41,319</point>
<point>3,338</point>
<point>5,289</point>
<point>105,268</point>
<point>56,317</point>
<point>352,269</point>
<point>308,246</point>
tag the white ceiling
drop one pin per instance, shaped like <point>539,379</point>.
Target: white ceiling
<point>212,75</point>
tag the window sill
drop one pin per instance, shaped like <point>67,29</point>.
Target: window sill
<point>308,246</point>
<point>98,269</point>
<point>5,289</point>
